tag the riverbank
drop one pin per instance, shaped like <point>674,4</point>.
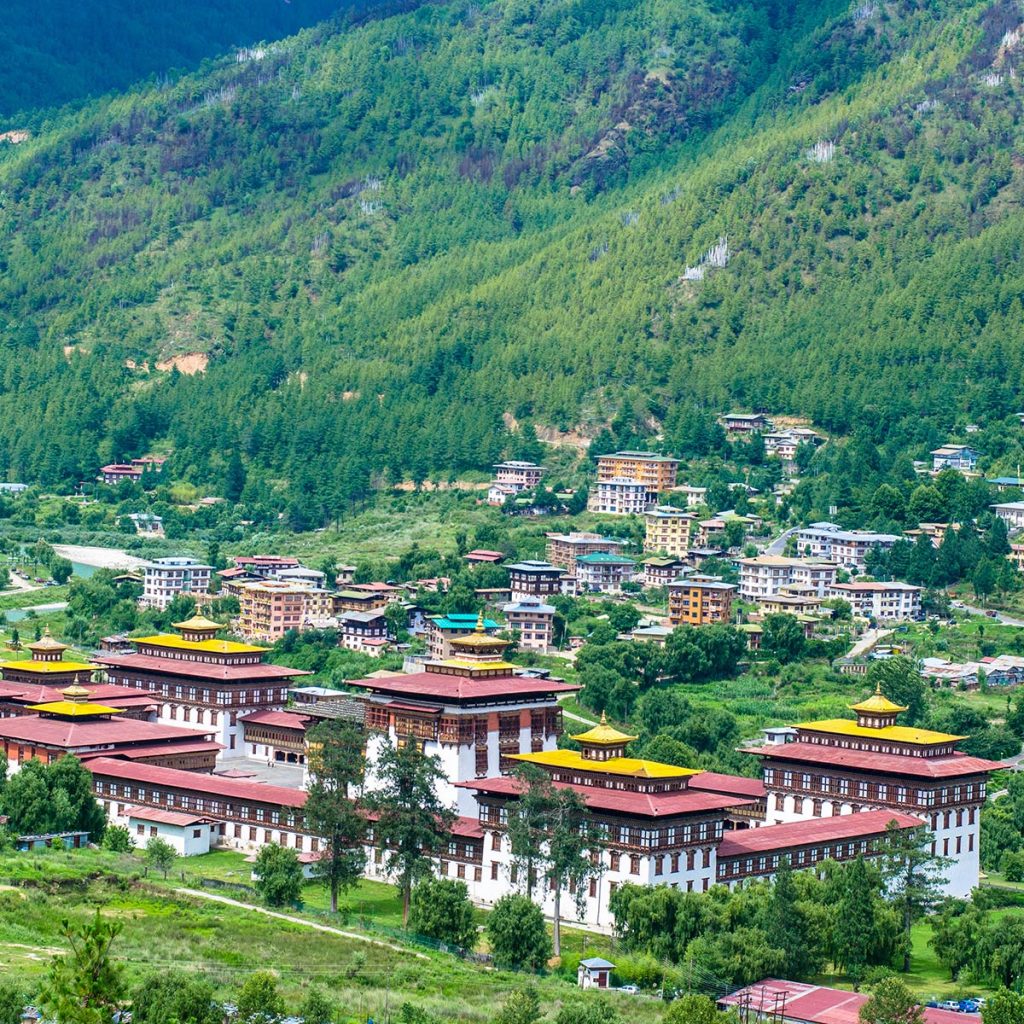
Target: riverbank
<point>99,558</point>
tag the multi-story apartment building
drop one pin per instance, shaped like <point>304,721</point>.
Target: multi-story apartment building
<point>656,472</point>
<point>533,621</point>
<point>518,475</point>
<point>534,579</point>
<point>442,629</point>
<point>784,443</point>
<point>765,575</point>
<point>667,530</point>
<point>699,602</point>
<point>847,548</point>
<point>1011,513</point>
<point>695,496</point>
<point>661,570</point>
<point>619,497</point>
<point>604,573</point>
<point>366,632</point>
<point>164,579</point>
<point>840,766</point>
<point>265,566</point>
<point>269,608</point>
<point>564,549</point>
<point>884,602</point>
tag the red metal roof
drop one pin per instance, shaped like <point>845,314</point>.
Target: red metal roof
<point>617,801</point>
<point>161,817</point>
<point>462,688</point>
<point>732,785</point>
<point>793,834</point>
<point>468,828</point>
<point>423,709</point>
<point>199,669</point>
<point>102,693</point>
<point>56,732</point>
<point>281,719</point>
<point>195,782</point>
<point>865,760</point>
<point>152,750</point>
<point>814,1004</point>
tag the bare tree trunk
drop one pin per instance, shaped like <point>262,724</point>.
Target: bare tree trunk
<point>334,894</point>
<point>556,929</point>
<point>406,898</point>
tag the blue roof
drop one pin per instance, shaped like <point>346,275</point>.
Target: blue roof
<point>1009,481</point>
<point>460,620</point>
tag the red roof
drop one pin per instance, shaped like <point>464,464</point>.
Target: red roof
<point>161,817</point>
<point>152,750</point>
<point>468,828</point>
<point>275,560</point>
<point>617,801</point>
<point>374,588</point>
<point>69,734</point>
<point>732,785</point>
<point>842,827</point>
<point>483,555</point>
<point>814,1004</point>
<point>199,669</point>
<point>195,782</point>
<point>948,767</point>
<point>37,693</point>
<point>462,688</point>
<point>281,719</point>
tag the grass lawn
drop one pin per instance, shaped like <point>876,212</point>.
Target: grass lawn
<point>162,930</point>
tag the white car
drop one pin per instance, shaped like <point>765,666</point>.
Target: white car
<point>630,990</point>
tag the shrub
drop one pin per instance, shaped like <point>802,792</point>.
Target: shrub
<point>517,933</point>
<point>441,910</point>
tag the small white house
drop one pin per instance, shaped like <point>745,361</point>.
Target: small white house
<point>189,834</point>
<point>594,973</point>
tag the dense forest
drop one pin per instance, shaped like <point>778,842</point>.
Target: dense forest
<point>383,245</point>
<point>63,51</point>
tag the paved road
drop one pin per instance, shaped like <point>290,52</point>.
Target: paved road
<point>867,641</point>
<point>214,898</point>
<point>1001,617</point>
<point>778,546</point>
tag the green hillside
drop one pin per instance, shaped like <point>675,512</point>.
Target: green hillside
<point>387,244</point>
<point>63,51</point>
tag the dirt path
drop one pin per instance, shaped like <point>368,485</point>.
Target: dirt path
<point>214,898</point>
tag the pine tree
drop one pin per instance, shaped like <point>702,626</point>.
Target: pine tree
<point>853,932</point>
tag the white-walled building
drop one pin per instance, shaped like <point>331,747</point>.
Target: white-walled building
<point>886,602</point>
<point>619,497</point>
<point>667,530</point>
<point>839,766</point>
<point>1011,513</point>
<point>189,834</point>
<point>164,579</point>
<point>533,621</point>
<point>844,547</point>
<point>765,575</point>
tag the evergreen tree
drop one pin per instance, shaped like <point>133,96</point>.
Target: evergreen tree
<point>853,932</point>
<point>412,822</point>
<point>336,772</point>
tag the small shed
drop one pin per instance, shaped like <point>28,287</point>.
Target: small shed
<point>69,840</point>
<point>594,973</point>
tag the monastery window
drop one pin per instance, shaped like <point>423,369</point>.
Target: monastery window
<point>945,847</point>
<point>613,862</point>
<point>805,780</point>
<point>958,840</point>
<point>634,865</point>
<point>513,873</point>
<point>659,863</point>
<point>252,834</point>
<point>901,794</point>
<point>883,791</point>
<point>844,787</point>
<point>970,842</point>
<point>496,842</point>
<point>816,810</point>
<point>769,776</point>
<point>959,818</point>
<point>675,862</point>
<point>689,860</point>
<point>970,816</point>
<point>862,790</point>
<point>787,778</point>
<point>593,888</point>
<point>494,871</point>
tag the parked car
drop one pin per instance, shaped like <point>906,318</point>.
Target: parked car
<point>630,990</point>
<point>969,1006</point>
<point>950,1004</point>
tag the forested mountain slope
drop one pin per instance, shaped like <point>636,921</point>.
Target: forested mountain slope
<point>61,51</point>
<point>383,240</point>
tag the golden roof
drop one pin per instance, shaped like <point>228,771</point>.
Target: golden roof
<point>47,667</point>
<point>212,646</point>
<point>480,666</point>
<point>634,767</point>
<point>74,709</point>
<point>603,735</point>
<point>75,692</point>
<point>878,703</point>
<point>47,643</point>
<point>198,622</point>
<point>896,733</point>
<point>478,638</point>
